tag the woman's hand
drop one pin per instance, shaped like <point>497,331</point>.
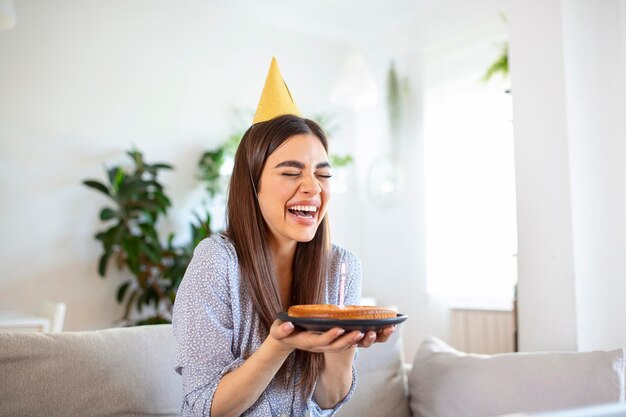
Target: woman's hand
<point>333,340</point>
<point>287,338</point>
<point>377,337</point>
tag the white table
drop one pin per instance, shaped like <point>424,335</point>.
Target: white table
<point>16,321</point>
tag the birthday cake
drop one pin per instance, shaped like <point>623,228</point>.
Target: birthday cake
<point>331,311</point>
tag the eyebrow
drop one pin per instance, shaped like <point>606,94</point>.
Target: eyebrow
<point>300,165</point>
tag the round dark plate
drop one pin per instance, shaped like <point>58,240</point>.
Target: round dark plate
<point>321,325</point>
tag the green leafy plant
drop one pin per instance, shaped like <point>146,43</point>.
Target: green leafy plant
<point>499,66</point>
<point>211,162</point>
<point>329,125</point>
<point>337,161</point>
<point>131,240</point>
<point>397,101</point>
<point>394,101</point>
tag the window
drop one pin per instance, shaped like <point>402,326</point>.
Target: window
<point>471,237</point>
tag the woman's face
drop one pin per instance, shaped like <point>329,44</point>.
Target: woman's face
<point>294,189</point>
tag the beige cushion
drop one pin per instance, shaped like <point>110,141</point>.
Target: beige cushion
<point>381,382</point>
<point>124,372</point>
<point>445,382</point>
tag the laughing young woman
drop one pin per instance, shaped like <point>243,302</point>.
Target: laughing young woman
<point>234,356</point>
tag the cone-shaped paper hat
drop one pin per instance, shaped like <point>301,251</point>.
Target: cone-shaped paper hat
<point>276,99</point>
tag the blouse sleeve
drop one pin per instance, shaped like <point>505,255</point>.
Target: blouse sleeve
<point>203,327</point>
<point>353,287</point>
<point>352,297</point>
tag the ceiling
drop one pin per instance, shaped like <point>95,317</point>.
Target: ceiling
<point>350,21</point>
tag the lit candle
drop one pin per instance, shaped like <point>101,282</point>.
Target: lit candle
<point>342,284</point>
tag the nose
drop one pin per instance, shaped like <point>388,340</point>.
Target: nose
<point>310,185</point>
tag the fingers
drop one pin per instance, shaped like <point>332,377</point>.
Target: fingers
<point>281,329</point>
<point>380,337</point>
<point>385,334</point>
<point>333,340</point>
<point>330,341</point>
<point>324,339</point>
<point>368,340</point>
<point>348,341</point>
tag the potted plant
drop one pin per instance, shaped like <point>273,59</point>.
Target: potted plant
<point>131,240</point>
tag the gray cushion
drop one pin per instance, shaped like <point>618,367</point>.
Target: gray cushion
<point>125,371</point>
<point>381,388</point>
<point>445,382</point>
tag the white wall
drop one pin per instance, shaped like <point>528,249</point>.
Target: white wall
<point>545,252</point>
<point>568,65</point>
<point>595,68</point>
<point>80,82</point>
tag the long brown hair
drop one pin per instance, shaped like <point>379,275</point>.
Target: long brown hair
<point>249,233</point>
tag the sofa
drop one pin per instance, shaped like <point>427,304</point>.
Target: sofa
<point>130,372</point>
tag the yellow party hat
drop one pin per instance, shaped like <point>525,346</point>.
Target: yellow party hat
<point>276,99</point>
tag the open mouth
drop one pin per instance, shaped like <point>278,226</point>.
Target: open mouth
<point>307,212</point>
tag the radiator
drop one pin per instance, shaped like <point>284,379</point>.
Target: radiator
<point>482,331</point>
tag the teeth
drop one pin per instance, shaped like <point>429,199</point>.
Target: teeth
<point>304,208</point>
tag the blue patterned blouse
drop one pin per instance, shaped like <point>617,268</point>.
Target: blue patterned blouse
<point>215,324</point>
